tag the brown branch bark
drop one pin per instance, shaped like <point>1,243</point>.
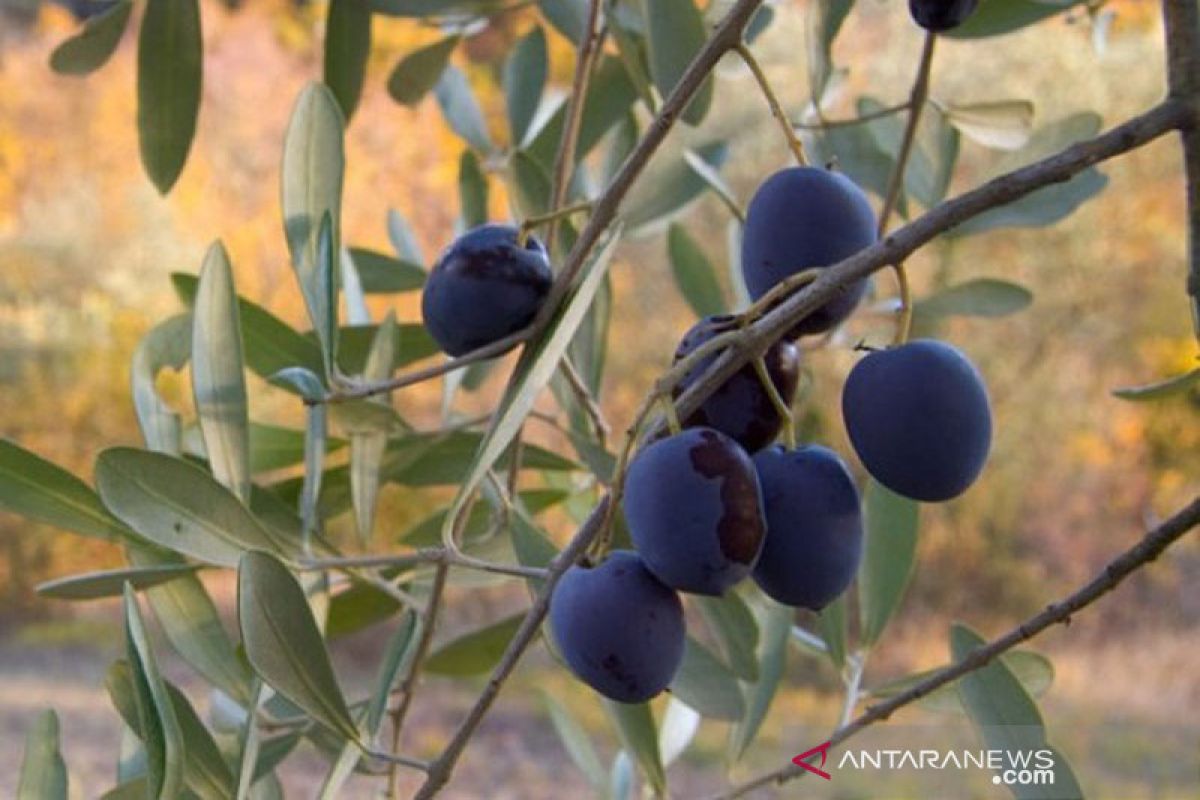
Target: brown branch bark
<point>1148,548</point>
<point>1181,25</point>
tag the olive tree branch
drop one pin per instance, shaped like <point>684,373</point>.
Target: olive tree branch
<point>1148,548</point>
<point>916,103</point>
<point>1181,24</point>
<point>1169,115</point>
<point>564,160</point>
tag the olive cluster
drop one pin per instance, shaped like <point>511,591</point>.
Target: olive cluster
<point>718,501</point>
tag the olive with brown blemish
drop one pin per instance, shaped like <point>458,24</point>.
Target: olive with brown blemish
<point>694,510</point>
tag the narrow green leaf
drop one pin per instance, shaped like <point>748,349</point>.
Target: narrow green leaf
<point>1033,670</point>
<point>669,187</point>
<point>179,506</point>
<point>155,711</point>
<point>634,723</point>
<point>576,742</point>
<point>531,182</point>
<point>461,109</point>
<point>284,644</point>
<point>713,180</point>
<point>609,99</point>
<point>890,550</point>
<point>34,488</point>
<point>382,274</point>
<point>91,48</point>
<point>205,772</point>
<point>188,617</point>
<point>268,343</point>
<point>322,297</point>
<point>979,297</point>
<point>403,240</point>
<point>168,345</point>
<point>1038,209</point>
<point>169,75</point>
<point>313,165</point>
<point>775,621</point>
<point>998,124</point>
<point>674,34</point>
<point>995,17</point>
<point>43,771</point>
<point>367,449</point>
<point>357,608</point>
<point>707,685</point>
<point>569,17</point>
<point>994,698</point>
<point>679,726</point>
<point>831,622</point>
<point>476,652</point>
<point>524,79</point>
<point>472,190</point>
<point>347,48</point>
<point>1160,389</point>
<point>1007,718</point>
<point>413,343</point>
<point>825,21</point>
<point>396,660</point>
<point>418,72</point>
<point>736,630</point>
<point>1049,204</point>
<point>533,371</point>
<point>110,583</point>
<point>694,273</point>
<point>218,382</point>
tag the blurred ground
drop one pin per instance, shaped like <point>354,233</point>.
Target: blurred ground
<point>86,247</point>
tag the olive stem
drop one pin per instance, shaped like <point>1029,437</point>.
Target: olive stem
<point>672,417</point>
<point>781,406</point>
<point>764,85</point>
<point>905,312</point>
<point>584,395</point>
<point>825,124</point>
<point>536,221</point>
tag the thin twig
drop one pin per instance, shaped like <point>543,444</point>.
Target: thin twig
<point>825,124</point>
<point>428,623</point>
<point>764,85</point>
<point>429,555</point>
<point>584,395</point>
<point>1148,548</point>
<point>564,159</point>
<point>916,102</point>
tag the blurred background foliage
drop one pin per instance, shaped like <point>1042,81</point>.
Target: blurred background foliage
<point>87,244</point>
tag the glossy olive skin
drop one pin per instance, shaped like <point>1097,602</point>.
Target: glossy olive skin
<point>694,510</point>
<point>485,286</point>
<point>741,407</point>
<point>919,419</point>
<point>618,627</point>
<point>814,526</point>
<point>805,217</point>
<point>941,15</point>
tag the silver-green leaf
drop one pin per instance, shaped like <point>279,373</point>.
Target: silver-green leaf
<point>283,642</point>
